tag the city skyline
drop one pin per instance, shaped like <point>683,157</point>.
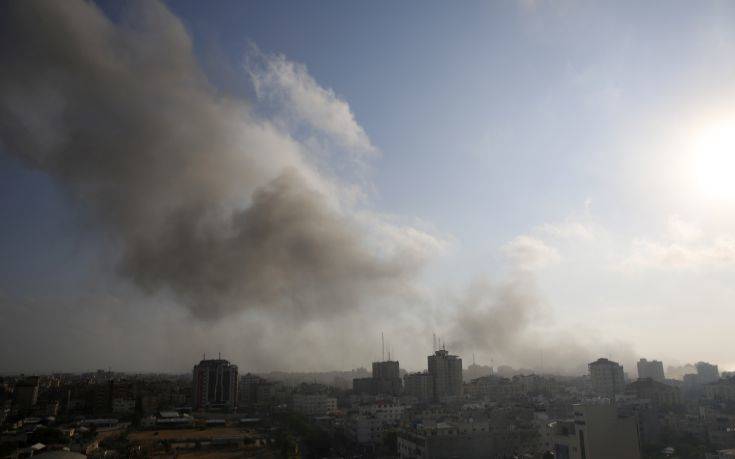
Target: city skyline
<point>538,184</point>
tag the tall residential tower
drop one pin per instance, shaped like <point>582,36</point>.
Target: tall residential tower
<point>446,373</point>
<point>215,385</point>
<point>653,369</point>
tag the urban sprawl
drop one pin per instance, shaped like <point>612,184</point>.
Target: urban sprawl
<point>446,411</point>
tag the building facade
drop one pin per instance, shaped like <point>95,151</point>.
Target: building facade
<point>314,404</point>
<point>215,385</point>
<point>707,373</point>
<point>419,385</point>
<point>446,373</point>
<point>606,377</point>
<point>26,393</point>
<point>597,432</point>
<point>653,369</point>
<point>385,380</point>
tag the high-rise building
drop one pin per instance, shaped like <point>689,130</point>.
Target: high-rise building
<point>446,373</point>
<point>707,373</point>
<point>215,385</point>
<point>386,380</point>
<point>653,369</point>
<point>419,385</point>
<point>26,392</point>
<point>386,370</point>
<point>607,377</point>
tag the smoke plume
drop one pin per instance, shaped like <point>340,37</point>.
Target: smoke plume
<point>224,209</point>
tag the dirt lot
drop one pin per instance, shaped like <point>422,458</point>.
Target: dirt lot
<point>217,455</point>
<point>187,434</point>
<point>213,455</point>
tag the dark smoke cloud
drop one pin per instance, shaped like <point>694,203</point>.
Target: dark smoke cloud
<point>207,201</point>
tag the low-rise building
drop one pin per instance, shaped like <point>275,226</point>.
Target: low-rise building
<point>123,405</point>
<point>314,404</point>
<point>658,393</point>
<point>597,432</point>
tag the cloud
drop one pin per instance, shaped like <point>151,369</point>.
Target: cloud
<point>679,255</point>
<point>206,200</point>
<point>682,230</point>
<point>528,253</point>
<point>570,229</point>
<point>683,246</point>
<point>302,101</point>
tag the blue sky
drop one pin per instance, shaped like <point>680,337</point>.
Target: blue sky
<point>556,131</point>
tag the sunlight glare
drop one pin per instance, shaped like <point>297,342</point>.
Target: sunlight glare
<point>715,161</point>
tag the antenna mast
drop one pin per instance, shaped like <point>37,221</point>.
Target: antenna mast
<point>382,344</point>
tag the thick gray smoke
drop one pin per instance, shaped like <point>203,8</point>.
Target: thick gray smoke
<point>206,200</point>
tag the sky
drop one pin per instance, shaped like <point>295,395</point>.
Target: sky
<point>537,183</point>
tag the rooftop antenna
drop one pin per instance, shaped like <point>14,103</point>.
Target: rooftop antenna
<point>542,361</point>
<point>204,356</point>
<point>433,349</point>
<point>473,359</point>
<point>219,356</point>
<point>382,344</point>
<point>388,352</point>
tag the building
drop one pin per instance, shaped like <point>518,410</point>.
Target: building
<point>363,386</point>
<point>707,373</point>
<point>606,377</point>
<point>386,380</point>
<point>653,369</point>
<point>598,432</point>
<point>123,405</point>
<point>388,369</point>
<point>364,429</point>
<point>314,404</point>
<point>722,390</point>
<point>215,385</point>
<point>494,387</point>
<point>658,393</point>
<point>26,393</point>
<point>460,438</point>
<point>248,388</point>
<point>446,374</point>
<point>419,385</point>
<point>386,412</point>
<point>370,421</point>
